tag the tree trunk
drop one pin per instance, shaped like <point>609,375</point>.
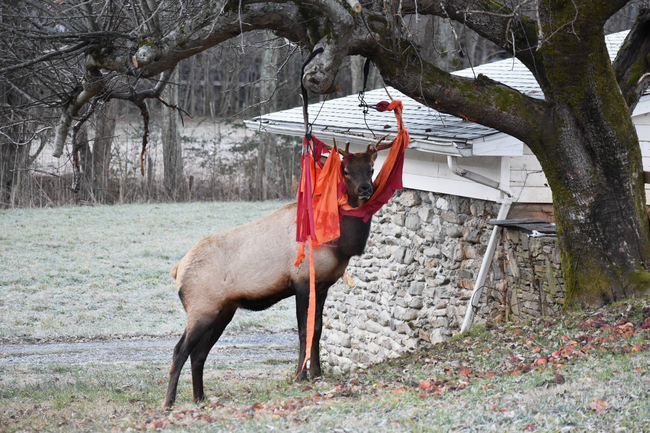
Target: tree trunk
<point>101,154</point>
<point>266,169</point>
<point>171,141</point>
<point>599,201</point>
<point>592,160</point>
<point>13,173</point>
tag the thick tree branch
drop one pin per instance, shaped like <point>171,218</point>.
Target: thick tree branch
<point>632,61</point>
<point>283,19</point>
<point>93,85</point>
<point>480,100</point>
<point>152,50</point>
<point>321,71</point>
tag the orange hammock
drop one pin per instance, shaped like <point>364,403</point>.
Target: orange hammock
<point>322,200</point>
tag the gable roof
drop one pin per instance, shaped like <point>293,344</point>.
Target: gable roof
<point>430,130</point>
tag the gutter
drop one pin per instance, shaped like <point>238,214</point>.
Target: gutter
<point>452,162</point>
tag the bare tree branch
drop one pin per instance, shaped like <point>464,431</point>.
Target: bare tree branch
<point>49,56</point>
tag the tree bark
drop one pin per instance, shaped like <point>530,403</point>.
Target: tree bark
<point>266,153</point>
<point>592,160</point>
<point>106,122</point>
<point>602,221</point>
<point>171,140</point>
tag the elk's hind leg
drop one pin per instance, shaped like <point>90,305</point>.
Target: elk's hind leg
<point>195,331</point>
<point>202,349</point>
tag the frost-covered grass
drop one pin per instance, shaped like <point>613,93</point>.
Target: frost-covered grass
<point>103,272</point>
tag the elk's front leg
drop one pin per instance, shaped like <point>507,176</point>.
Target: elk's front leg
<point>314,364</point>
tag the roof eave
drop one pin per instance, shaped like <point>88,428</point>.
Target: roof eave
<point>482,146</point>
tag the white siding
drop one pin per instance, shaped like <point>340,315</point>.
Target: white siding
<point>429,172</point>
<point>527,180</point>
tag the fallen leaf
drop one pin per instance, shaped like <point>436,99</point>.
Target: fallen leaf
<point>598,405</point>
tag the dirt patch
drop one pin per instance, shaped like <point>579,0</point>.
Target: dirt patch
<point>242,347</point>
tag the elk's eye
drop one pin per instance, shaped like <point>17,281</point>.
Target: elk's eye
<point>372,171</point>
<point>345,172</point>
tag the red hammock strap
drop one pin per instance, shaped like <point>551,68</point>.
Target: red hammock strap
<point>311,310</point>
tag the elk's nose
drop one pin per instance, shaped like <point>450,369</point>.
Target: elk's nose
<point>365,191</point>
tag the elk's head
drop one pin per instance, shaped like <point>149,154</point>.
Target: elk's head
<point>357,171</point>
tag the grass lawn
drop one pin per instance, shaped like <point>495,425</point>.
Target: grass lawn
<point>103,272</point>
<point>92,273</point>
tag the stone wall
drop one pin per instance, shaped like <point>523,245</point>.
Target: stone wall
<point>412,286</point>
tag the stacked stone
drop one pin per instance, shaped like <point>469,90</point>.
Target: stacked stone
<point>412,286</point>
<point>535,277</point>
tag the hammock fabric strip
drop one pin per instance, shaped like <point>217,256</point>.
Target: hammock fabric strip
<point>318,219</point>
<point>322,200</point>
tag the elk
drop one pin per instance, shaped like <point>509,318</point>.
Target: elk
<point>252,267</point>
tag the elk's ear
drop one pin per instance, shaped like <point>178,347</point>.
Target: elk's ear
<point>372,151</point>
<point>322,160</point>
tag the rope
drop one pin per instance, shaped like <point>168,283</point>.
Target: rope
<point>362,102</point>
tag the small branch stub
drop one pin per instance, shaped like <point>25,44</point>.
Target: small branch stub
<point>355,5</point>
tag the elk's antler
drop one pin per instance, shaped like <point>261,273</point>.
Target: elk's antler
<point>341,151</point>
<point>381,146</point>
